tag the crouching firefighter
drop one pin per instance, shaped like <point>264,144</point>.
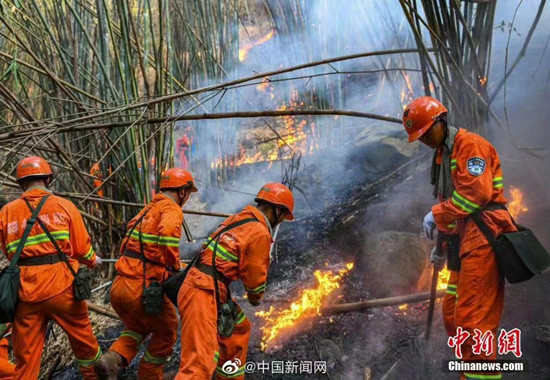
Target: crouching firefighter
<point>467,177</point>
<point>214,329</point>
<point>52,288</point>
<point>151,245</point>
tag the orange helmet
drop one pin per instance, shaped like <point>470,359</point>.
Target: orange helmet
<point>278,195</point>
<point>420,115</point>
<point>32,167</point>
<point>175,178</point>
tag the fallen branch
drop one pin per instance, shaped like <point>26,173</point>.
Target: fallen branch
<point>382,302</point>
<point>39,131</point>
<point>98,309</point>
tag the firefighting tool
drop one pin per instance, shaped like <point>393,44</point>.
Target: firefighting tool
<point>10,277</point>
<point>519,254</point>
<point>433,289</point>
<point>32,167</point>
<point>278,195</point>
<point>429,225</point>
<point>420,115</point>
<point>153,295</point>
<point>81,283</point>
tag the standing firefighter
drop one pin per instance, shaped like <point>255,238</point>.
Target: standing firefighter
<point>46,291</point>
<point>151,245</point>
<point>213,327</point>
<point>467,177</point>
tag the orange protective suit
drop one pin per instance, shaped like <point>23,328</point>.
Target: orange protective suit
<point>46,291</point>
<point>242,253</point>
<point>7,369</point>
<point>160,232</point>
<point>182,147</point>
<point>477,179</point>
<point>96,172</point>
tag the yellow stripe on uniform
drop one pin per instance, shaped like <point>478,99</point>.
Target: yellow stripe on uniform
<point>89,362</point>
<point>154,359</point>
<point>259,289</point>
<point>220,372</point>
<point>466,205</point>
<point>241,317</point>
<point>134,335</point>
<point>38,239</point>
<point>477,376</point>
<point>89,254</point>
<point>221,252</point>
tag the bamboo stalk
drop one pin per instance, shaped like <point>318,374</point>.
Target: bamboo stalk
<point>382,302</point>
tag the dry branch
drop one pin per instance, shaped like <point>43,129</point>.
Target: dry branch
<point>100,310</point>
<point>391,301</point>
<point>223,115</point>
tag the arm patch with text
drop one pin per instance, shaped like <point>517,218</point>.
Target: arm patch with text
<point>476,166</point>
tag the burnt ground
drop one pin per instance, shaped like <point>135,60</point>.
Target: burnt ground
<point>346,231</point>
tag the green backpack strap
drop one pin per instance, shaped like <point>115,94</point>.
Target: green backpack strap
<point>30,224</point>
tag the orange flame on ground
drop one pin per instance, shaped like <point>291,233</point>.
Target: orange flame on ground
<point>308,305</point>
<point>516,206</point>
<point>243,52</point>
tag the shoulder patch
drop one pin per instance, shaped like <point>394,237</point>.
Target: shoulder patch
<point>476,166</point>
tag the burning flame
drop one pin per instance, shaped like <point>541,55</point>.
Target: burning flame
<point>482,81</point>
<point>407,93</point>
<point>443,280</point>
<point>516,206</point>
<point>308,305</point>
<point>299,134</point>
<point>243,52</point>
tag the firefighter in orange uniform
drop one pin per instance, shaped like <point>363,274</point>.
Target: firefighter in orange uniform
<point>242,244</point>
<point>46,291</point>
<point>7,369</point>
<point>152,243</point>
<point>470,179</point>
<point>98,181</point>
<point>183,147</point>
